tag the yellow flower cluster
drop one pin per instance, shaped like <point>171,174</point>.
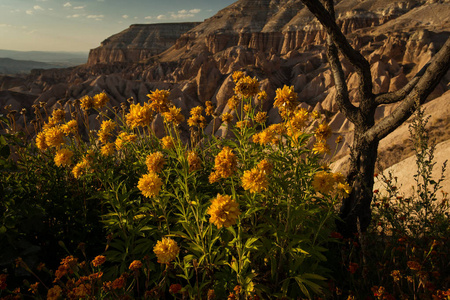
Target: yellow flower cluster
<point>196,119</point>
<point>167,142</point>
<point>150,184</point>
<point>225,163</point>
<point>107,149</point>
<point>63,157</point>
<point>59,115</point>
<point>255,180</point>
<point>224,211</point>
<point>227,118</point>
<point>155,162</point>
<point>325,183</point>
<point>139,115</point>
<point>209,110</point>
<point>269,135</point>
<point>100,100</point>
<point>322,132</point>
<point>194,161</point>
<point>83,166</point>
<point>247,87</point>
<point>124,138</point>
<point>86,103</point>
<point>70,127</point>
<point>173,115</point>
<point>261,117</point>
<point>104,134</point>
<point>285,100</point>
<point>237,76</point>
<point>50,137</point>
<point>233,102</point>
<point>166,250</point>
<point>297,122</point>
<point>159,100</point>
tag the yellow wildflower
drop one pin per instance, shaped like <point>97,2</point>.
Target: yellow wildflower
<point>262,96</point>
<point>108,149</point>
<point>225,162</point>
<point>167,142</point>
<point>323,131</point>
<point>285,100</point>
<point>338,177</point>
<point>139,115</point>
<point>213,177</point>
<point>224,211</point>
<point>247,87</point>
<point>323,182</point>
<point>233,102</point>
<point>247,108</point>
<point>166,250</point>
<point>315,115</point>
<point>40,141</point>
<point>278,128</point>
<point>150,184</point>
<point>209,110</point>
<point>255,180</point>
<point>59,115</point>
<point>321,147</point>
<point>54,137</point>
<point>108,126</point>
<point>243,124</point>
<point>63,157</point>
<point>70,127</point>
<point>81,168</point>
<point>194,161</point>
<point>100,100</point>
<point>227,118</point>
<point>173,115</point>
<point>159,100</point>
<point>196,119</point>
<point>155,162</point>
<point>237,75</point>
<point>125,138</point>
<point>297,122</point>
<point>86,103</point>
<point>261,117</point>
<point>343,189</point>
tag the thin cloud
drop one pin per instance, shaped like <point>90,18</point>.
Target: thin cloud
<point>96,17</point>
<point>125,16</point>
<point>195,11</point>
<point>148,17</point>
<point>79,7</point>
<point>67,4</point>
<point>37,7</point>
<point>161,17</point>
<point>29,12</point>
<point>74,16</point>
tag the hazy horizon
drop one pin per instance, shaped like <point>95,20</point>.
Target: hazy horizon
<point>81,25</point>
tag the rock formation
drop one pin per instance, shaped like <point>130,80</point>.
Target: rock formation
<point>138,43</point>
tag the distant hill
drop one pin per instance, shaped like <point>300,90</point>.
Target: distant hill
<point>59,58</point>
<point>13,66</point>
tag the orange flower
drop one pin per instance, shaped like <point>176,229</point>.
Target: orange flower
<point>175,288</point>
<point>98,260</point>
<point>225,163</point>
<point>135,265</point>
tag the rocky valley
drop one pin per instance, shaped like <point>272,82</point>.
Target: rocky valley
<point>277,41</point>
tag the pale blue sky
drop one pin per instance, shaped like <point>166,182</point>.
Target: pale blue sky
<point>80,25</point>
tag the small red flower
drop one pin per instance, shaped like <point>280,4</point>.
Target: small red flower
<point>175,288</point>
<point>352,267</point>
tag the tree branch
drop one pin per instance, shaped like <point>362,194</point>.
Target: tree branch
<point>342,96</point>
<point>437,69</point>
<point>399,95</point>
<point>356,59</point>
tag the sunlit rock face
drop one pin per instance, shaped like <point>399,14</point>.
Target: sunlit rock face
<point>138,42</point>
